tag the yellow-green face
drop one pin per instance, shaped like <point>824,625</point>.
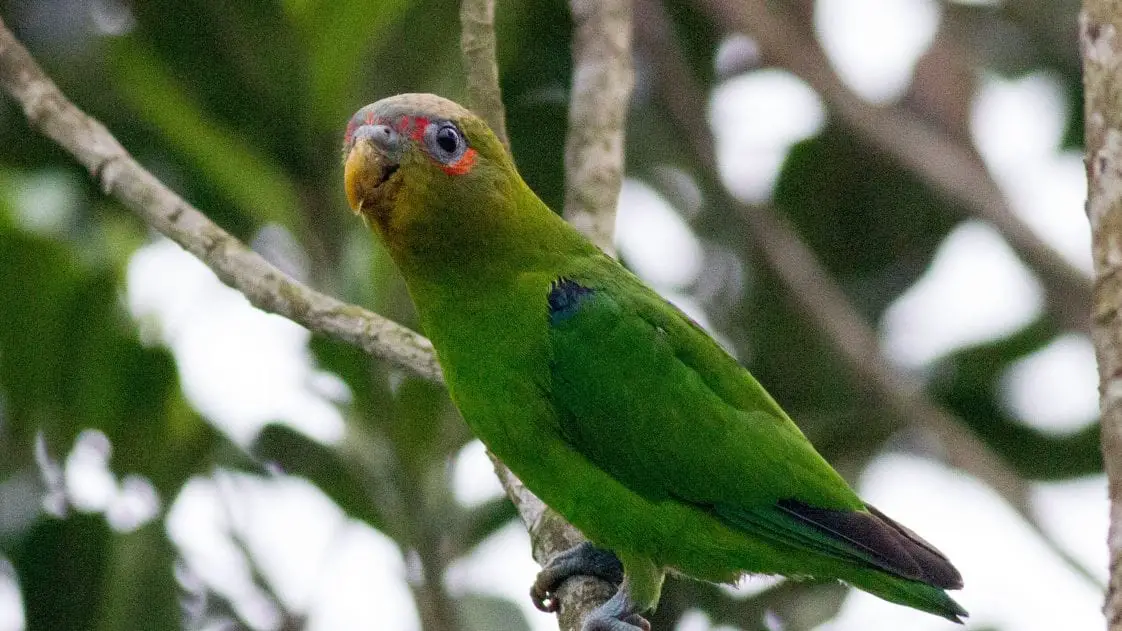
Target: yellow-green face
<point>416,136</point>
<point>437,186</point>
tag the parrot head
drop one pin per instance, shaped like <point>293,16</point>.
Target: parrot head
<point>426,174</point>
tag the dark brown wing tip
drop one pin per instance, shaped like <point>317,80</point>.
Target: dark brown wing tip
<point>936,567</point>
<point>887,544</point>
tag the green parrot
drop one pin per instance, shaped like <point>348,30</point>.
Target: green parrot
<point>610,404</point>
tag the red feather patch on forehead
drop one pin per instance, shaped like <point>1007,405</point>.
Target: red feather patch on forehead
<point>364,116</point>
<point>350,131</point>
<point>418,129</point>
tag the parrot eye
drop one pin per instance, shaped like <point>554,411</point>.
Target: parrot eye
<point>445,142</point>
<point>448,139</point>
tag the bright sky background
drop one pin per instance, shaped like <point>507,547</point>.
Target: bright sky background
<point>243,368</point>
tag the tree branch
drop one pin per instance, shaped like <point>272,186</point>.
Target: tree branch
<point>601,93</point>
<point>121,176</point>
<point>266,287</point>
<point>949,166</point>
<point>1100,25</point>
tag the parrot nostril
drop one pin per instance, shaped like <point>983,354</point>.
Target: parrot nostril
<point>385,137</point>
<point>383,133</point>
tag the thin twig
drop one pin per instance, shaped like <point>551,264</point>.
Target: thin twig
<point>824,301</point>
<point>121,176</point>
<point>1100,25</point>
<point>948,165</point>
<point>601,92</point>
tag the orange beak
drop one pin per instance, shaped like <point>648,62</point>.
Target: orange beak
<point>364,171</point>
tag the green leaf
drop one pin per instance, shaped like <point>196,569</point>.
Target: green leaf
<point>39,280</point>
<point>969,382</point>
<point>337,35</point>
<point>230,162</point>
<point>299,455</point>
<point>70,360</point>
<point>61,565</point>
<point>480,522</point>
<point>871,222</point>
<point>141,591</point>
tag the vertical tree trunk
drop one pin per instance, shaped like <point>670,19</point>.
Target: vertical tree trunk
<point>1100,38</point>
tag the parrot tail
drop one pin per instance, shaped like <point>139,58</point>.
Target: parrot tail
<point>906,592</point>
<point>911,572</point>
<point>865,548</point>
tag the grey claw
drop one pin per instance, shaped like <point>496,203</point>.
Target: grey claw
<point>583,559</point>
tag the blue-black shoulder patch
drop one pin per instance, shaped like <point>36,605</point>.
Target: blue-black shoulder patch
<point>565,296</point>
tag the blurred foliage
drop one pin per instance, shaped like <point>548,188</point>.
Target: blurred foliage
<point>239,107</point>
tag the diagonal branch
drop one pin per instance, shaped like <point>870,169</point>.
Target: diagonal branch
<point>121,176</point>
<point>949,166</point>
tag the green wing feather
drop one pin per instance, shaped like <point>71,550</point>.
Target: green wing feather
<point>653,400</point>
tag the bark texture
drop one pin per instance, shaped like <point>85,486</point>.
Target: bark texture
<point>602,80</point>
<point>1100,28</point>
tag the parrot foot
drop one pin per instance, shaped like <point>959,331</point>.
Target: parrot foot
<point>617,614</point>
<point>582,559</point>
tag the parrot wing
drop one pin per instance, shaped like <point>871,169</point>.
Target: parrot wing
<point>649,397</point>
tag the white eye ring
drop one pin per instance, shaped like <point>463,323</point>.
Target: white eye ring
<point>445,142</point>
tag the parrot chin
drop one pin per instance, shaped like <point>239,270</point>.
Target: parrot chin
<point>367,176</point>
